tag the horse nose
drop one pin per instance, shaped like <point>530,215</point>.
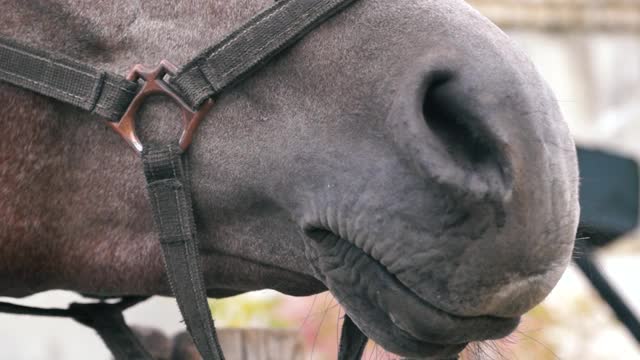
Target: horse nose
<point>489,140</point>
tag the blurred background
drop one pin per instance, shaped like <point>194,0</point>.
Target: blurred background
<point>589,51</point>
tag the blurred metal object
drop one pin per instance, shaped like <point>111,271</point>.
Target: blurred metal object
<point>607,292</point>
<point>609,197</point>
<point>563,15</point>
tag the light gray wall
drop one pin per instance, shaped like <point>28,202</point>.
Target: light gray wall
<point>596,78</point>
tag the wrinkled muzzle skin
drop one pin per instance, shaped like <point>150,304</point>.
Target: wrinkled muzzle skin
<point>405,155</point>
<point>446,220</point>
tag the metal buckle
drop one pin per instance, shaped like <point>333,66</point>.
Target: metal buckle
<point>155,85</point>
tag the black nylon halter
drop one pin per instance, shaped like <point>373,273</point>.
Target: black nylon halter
<point>117,99</point>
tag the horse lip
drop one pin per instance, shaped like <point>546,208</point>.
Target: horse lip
<point>405,310</point>
<point>442,327</point>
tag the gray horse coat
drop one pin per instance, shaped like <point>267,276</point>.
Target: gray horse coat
<point>405,155</point>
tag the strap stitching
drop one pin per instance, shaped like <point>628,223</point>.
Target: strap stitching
<point>54,63</point>
<point>157,202</point>
<point>44,84</point>
<point>264,46</point>
<point>271,41</point>
<point>276,11</point>
<point>83,99</point>
<point>173,165</point>
<point>118,86</point>
<point>192,266</point>
<point>60,64</point>
<point>196,289</point>
<point>97,92</point>
<point>206,78</point>
<point>48,61</point>
<point>153,171</point>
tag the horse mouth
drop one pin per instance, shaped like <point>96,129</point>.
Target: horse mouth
<point>392,314</point>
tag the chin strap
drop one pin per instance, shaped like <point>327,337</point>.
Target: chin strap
<point>169,189</point>
<point>168,184</point>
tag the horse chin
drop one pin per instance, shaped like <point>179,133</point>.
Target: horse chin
<point>390,313</point>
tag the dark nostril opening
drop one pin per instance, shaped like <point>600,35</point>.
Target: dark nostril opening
<point>318,234</point>
<point>448,117</point>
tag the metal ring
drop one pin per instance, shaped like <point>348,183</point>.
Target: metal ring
<point>155,85</point>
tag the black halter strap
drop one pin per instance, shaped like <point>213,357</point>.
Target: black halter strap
<point>169,192</point>
<point>168,184</point>
<point>104,94</point>
<point>251,46</point>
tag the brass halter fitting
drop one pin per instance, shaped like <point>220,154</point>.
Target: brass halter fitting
<point>155,85</point>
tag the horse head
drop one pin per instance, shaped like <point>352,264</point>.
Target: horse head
<point>406,156</point>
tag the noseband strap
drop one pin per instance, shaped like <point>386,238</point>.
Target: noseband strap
<point>59,77</point>
<point>168,182</point>
<point>251,46</point>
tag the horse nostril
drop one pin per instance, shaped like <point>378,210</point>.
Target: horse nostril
<point>317,234</point>
<point>460,143</point>
<point>457,129</point>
